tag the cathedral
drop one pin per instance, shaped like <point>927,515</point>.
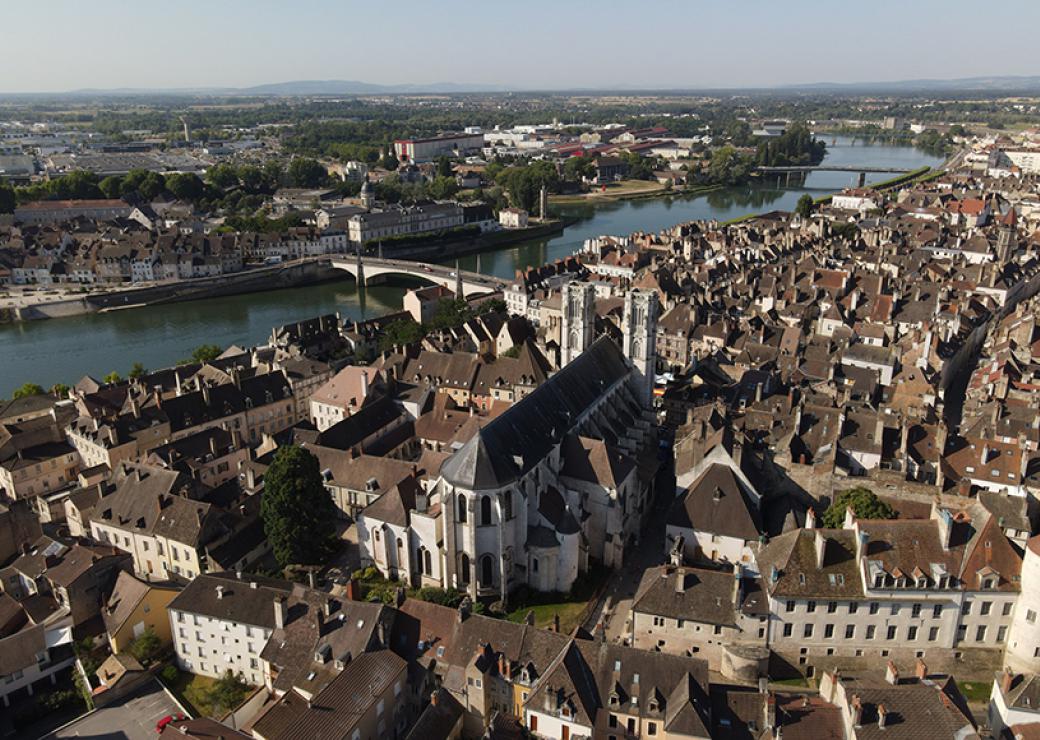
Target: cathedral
<point>560,481</point>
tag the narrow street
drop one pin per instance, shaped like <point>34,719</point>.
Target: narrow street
<point>616,601</point>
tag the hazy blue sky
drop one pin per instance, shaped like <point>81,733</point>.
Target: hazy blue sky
<point>57,45</point>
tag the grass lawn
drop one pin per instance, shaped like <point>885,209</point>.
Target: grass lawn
<point>975,691</point>
<point>193,691</point>
<point>614,190</point>
<point>570,614</point>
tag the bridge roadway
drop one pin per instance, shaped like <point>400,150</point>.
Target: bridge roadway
<point>448,277</point>
<point>802,169</point>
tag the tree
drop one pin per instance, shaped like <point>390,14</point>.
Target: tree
<point>146,647</point>
<point>145,183</point>
<point>8,199</point>
<point>60,390</point>
<point>298,513</point>
<point>444,166</point>
<point>805,206</point>
<point>306,173</point>
<point>228,692</point>
<point>206,353</point>
<point>185,186</point>
<point>576,168</point>
<point>451,312</point>
<point>28,389</point>
<point>864,502</point>
<point>222,176</point>
<point>112,378</point>
<point>728,166</point>
<point>388,161</point>
<point>137,370</point>
<point>401,332</point>
<point>111,186</point>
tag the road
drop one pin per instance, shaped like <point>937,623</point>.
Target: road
<point>615,604</point>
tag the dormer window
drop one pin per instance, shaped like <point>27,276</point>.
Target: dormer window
<point>614,699</point>
<point>879,580</point>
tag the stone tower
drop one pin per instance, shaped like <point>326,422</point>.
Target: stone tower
<point>1020,653</point>
<point>368,195</point>
<point>579,320</point>
<point>639,331</point>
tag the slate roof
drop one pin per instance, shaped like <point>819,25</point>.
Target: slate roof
<point>717,502</point>
<point>338,708</point>
<point>512,443</point>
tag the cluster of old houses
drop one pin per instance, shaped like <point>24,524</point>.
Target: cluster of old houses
<point>778,361</point>
<point>125,250</point>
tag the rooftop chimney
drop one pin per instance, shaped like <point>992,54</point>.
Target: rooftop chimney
<point>280,612</point>
<point>820,546</point>
<point>769,711</point>
<point>1006,679</point>
<point>220,592</point>
<point>891,673</point>
<point>857,711</point>
<point>920,669</point>
<point>810,518</point>
<point>882,716</point>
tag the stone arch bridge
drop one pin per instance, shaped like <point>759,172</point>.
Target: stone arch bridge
<point>367,270</point>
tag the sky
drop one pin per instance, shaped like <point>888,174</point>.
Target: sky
<point>62,45</point>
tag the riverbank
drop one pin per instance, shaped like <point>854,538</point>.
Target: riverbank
<point>653,190</point>
<point>299,273</point>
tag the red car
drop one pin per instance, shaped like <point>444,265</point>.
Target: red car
<point>175,717</point>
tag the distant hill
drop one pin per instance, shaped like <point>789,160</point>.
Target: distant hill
<point>1005,83</point>
<point>997,84</point>
<point>353,87</point>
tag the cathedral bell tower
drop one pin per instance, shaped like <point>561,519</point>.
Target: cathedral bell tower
<point>639,331</point>
<point>579,320</point>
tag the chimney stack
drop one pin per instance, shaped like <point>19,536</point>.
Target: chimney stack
<point>882,716</point>
<point>810,518</point>
<point>891,673</point>
<point>820,545</point>
<point>857,712</point>
<point>920,669</point>
<point>1006,679</point>
<point>556,623</point>
<point>280,612</point>
<point>769,710</point>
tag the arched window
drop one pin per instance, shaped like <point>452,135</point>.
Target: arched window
<point>507,504</point>
<point>486,568</point>
<point>464,568</point>
<point>485,510</point>
<point>427,563</point>
<point>462,509</point>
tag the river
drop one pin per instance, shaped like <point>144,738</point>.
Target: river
<point>64,350</point>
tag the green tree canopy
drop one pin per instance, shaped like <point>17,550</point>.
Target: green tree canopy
<point>60,390</point>
<point>401,332</point>
<point>298,513</point>
<point>227,693</point>
<point>137,370</point>
<point>864,503</point>
<point>728,166</point>
<point>147,647</point>
<point>206,353</point>
<point>451,312</point>
<point>306,173</point>
<point>28,389</point>
<point>8,199</point>
<point>805,206</point>
<point>185,186</point>
<point>112,378</point>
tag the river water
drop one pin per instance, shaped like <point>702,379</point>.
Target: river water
<point>64,350</point>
